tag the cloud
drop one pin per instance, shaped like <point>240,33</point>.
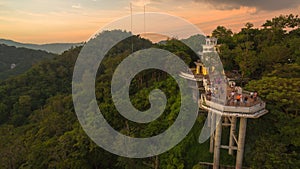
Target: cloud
<point>141,2</point>
<point>76,6</point>
<point>266,5</point>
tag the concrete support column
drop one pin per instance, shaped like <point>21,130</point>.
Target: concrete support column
<point>241,143</point>
<point>232,133</point>
<point>209,119</point>
<point>217,145</point>
<point>212,131</point>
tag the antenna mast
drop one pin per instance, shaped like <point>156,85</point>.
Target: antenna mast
<point>144,19</point>
<point>131,28</point>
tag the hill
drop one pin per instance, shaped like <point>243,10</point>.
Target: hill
<point>37,107</point>
<point>56,48</point>
<point>14,61</point>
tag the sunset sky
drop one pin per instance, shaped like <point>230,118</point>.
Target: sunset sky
<point>48,21</point>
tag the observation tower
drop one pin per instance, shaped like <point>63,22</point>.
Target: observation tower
<point>227,105</point>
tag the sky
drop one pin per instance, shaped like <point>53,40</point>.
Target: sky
<point>49,21</point>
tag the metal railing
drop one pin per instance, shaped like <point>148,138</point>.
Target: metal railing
<point>226,108</point>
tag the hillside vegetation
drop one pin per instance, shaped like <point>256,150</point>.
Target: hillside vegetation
<point>57,48</point>
<point>15,61</point>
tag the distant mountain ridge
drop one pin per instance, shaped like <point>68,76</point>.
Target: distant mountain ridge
<point>56,48</point>
<point>15,61</point>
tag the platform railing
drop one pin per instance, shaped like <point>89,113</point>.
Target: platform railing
<point>226,108</point>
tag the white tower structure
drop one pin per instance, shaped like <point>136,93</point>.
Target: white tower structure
<point>232,111</point>
<point>210,45</point>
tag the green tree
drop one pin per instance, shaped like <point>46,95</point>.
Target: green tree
<point>246,59</point>
<point>223,34</point>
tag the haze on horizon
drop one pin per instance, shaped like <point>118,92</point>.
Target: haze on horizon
<point>45,21</point>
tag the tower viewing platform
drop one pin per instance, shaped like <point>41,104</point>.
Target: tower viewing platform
<point>254,107</point>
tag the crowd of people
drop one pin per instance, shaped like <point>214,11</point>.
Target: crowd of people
<point>215,88</point>
<point>235,95</point>
<point>236,98</point>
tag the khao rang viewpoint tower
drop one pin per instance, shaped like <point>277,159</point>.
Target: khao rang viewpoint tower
<point>235,107</point>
